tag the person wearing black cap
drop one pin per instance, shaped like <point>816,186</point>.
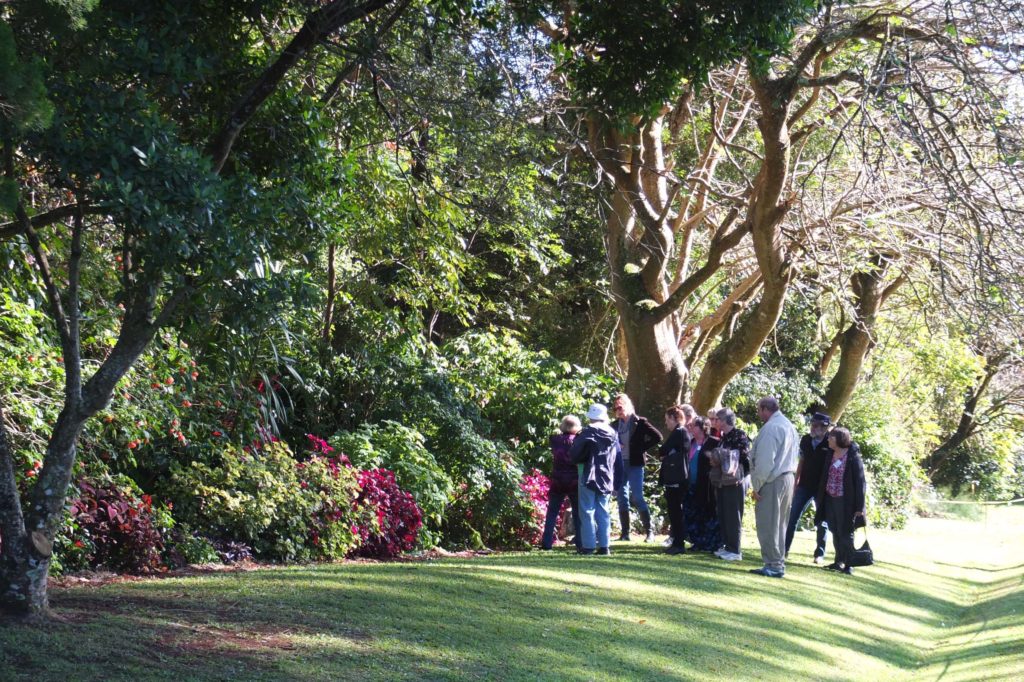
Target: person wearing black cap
<point>815,455</point>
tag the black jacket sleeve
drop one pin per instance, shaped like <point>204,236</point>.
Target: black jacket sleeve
<point>646,435</point>
<point>859,491</point>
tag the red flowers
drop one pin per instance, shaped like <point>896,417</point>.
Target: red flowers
<point>318,445</point>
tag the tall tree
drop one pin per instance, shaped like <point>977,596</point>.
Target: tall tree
<point>147,159</point>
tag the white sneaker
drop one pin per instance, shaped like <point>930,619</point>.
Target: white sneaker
<point>668,542</point>
<point>732,556</point>
<point>819,560</point>
<point>720,551</point>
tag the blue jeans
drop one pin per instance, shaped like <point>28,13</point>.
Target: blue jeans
<point>632,490</point>
<point>554,508</point>
<point>802,498</point>
<point>595,522</point>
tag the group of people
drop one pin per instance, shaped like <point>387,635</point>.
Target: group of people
<point>707,467</point>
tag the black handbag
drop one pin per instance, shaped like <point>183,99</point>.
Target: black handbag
<point>862,556</point>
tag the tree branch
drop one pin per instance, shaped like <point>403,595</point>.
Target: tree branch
<point>720,244</point>
<point>47,218</point>
<point>317,26</point>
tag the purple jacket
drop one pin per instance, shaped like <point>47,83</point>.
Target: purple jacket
<point>564,473</point>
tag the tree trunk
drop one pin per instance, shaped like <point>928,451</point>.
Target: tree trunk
<point>28,543</point>
<point>968,424</point>
<point>858,339</point>
<point>656,372</point>
<point>765,210</point>
<point>734,353</point>
<point>23,577</point>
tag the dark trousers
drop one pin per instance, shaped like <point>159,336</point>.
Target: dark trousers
<point>674,500</point>
<point>802,498</point>
<point>843,542</point>
<point>554,508</point>
<point>730,516</point>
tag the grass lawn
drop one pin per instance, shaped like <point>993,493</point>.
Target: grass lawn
<point>946,602</point>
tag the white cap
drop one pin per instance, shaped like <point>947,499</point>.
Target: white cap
<point>597,413</point>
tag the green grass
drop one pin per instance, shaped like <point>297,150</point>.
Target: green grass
<point>946,602</point>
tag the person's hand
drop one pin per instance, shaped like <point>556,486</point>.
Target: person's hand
<point>860,513</point>
<point>753,493</point>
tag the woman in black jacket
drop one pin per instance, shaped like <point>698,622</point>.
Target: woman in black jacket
<point>841,493</point>
<point>675,474</point>
<point>700,519</point>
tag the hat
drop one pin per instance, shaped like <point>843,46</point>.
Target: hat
<point>821,418</point>
<point>597,413</point>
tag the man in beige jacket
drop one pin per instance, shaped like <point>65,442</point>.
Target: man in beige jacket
<point>773,461</point>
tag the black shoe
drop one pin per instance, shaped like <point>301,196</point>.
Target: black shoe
<point>604,551</point>
<point>833,567</point>
<point>848,570</point>
<point>645,519</point>
<point>545,549</point>
<point>675,550</point>
<point>624,524</point>
<point>585,552</point>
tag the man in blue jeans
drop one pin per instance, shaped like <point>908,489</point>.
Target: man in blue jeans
<point>636,437</point>
<point>815,455</point>
<point>595,450</point>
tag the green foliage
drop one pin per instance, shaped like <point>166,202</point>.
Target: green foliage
<point>285,510</point>
<point>194,549</point>
<point>984,466</point>
<point>23,100</point>
<point>522,393</point>
<point>391,445</point>
<point>876,426</point>
<point>627,58</point>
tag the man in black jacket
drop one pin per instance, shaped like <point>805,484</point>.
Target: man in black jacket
<point>815,455</point>
<point>636,437</point>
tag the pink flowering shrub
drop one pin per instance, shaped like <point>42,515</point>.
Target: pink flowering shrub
<point>391,520</point>
<point>536,485</point>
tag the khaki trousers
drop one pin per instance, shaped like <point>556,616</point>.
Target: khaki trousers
<point>771,514</point>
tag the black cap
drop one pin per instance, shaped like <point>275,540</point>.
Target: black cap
<point>822,418</point>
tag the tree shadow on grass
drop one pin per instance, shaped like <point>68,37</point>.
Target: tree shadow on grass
<point>636,614</point>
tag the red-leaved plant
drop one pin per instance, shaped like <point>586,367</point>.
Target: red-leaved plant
<point>116,528</point>
<point>536,486</point>
<point>391,518</point>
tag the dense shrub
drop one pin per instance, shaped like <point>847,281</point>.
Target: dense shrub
<point>490,508</point>
<point>890,480</point>
<point>521,393</point>
<point>115,528</point>
<point>403,450</point>
<point>391,519</point>
<point>282,508</point>
<point>887,458</point>
<point>188,547</point>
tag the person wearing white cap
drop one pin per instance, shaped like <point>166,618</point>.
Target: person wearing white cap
<point>596,449</point>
